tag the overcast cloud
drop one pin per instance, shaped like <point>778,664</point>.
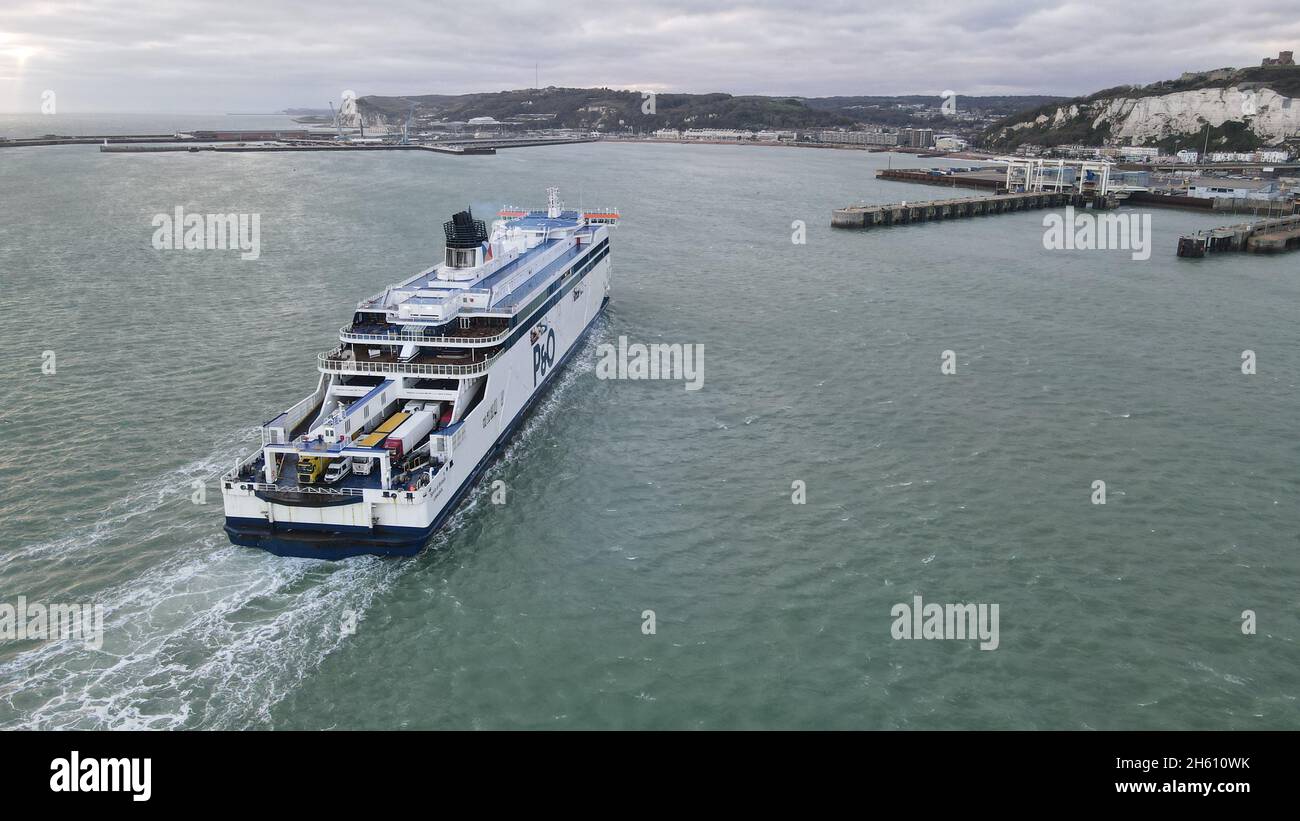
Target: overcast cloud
<point>233,55</point>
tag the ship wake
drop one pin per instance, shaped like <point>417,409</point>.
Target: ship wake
<point>212,636</point>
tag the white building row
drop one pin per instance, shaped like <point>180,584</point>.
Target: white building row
<point>1221,187</point>
<point>1248,156</point>
<point>858,137</point>
<point>704,134</point>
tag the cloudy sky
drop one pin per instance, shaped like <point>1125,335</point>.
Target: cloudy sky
<point>215,56</point>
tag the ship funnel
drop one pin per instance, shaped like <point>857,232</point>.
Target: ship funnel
<point>465,237</point>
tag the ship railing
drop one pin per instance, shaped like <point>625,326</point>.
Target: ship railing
<point>330,491</point>
<point>397,493</point>
<point>241,463</point>
<point>299,410</point>
<point>347,335</point>
<point>333,362</point>
<point>292,417</point>
<point>469,311</point>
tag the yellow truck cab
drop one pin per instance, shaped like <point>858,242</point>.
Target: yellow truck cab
<point>310,468</point>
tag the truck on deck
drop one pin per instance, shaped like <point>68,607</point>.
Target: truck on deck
<point>310,469</point>
<point>408,436</point>
<point>337,470</point>
<point>375,439</point>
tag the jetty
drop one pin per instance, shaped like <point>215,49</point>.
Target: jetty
<point>291,140</point>
<point>984,179</point>
<point>1021,185</point>
<point>1266,236</point>
<point>459,150</point>
<point>904,213</point>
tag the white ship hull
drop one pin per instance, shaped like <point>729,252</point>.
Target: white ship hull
<point>399,519</point>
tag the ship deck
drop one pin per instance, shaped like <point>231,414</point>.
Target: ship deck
<point>473,358</point>
<point>529,289</point>
<point>288,479</point>
<point>428,280</point>
<point>383,329</point>
<point>498,276</point>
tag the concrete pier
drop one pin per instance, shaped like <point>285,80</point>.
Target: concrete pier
<point>1274,242</point>
<point>1267,236</point>
<point>867,216</point>
<point>455,147</point>
<point>984,180</point>
<point>458,150</point>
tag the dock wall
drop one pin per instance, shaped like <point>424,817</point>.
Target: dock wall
<point>1266,236</point>
<point>869,216</point>
<point>946,180</point>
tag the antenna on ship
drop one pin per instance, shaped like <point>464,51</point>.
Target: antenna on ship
<point>553,204</point>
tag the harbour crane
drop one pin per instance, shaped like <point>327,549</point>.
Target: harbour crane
<point>406,128</point>
<point>334,115</point>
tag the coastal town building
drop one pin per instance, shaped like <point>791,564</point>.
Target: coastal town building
<point>1138,153</point>
<point>1225,188</point>
<point>731,134</point>
<point>858,137</point>
<point>916,137</point>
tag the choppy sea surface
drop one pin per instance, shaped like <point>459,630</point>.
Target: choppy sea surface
<point>821,366</point>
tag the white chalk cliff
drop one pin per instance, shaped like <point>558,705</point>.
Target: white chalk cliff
<point>1138,119</point>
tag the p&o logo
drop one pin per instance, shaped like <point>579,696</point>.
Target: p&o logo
<point>543,352</point>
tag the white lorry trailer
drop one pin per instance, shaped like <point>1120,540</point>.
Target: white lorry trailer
<point>411,433</point>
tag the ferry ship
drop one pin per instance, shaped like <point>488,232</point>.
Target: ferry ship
<point>427,384</point>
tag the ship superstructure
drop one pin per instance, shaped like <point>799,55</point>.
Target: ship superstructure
<point>429,379</point>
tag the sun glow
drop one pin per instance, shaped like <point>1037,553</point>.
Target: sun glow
<point>12,51</point>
